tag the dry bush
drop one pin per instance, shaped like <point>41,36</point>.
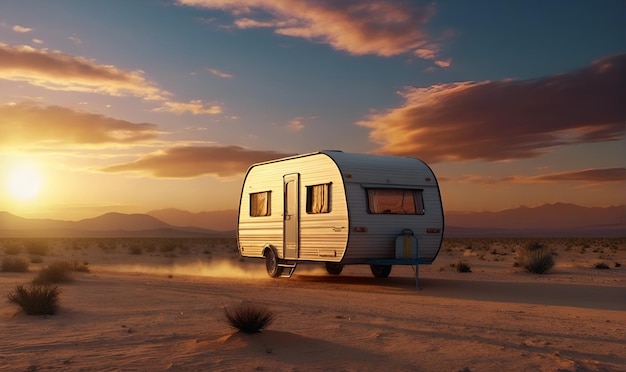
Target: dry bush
<point>36,299</point>
<point>535,258</point>
<point>14,265</point>
<point>601,266</point>
<point>248,317</point>
<point>12,249</point>
<point>36,259</point>
<point>463,267</point>
<point>59,272</point>
<point>37,247</point>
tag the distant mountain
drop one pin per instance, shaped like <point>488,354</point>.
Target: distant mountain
<point>559,219</point>
<point>556,220</point>
<point>108,225</point>
<point>215,220</point>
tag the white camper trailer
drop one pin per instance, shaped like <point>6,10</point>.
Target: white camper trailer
<point>340,209</point>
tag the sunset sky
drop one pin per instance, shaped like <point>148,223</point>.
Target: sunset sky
<point>131,106</point>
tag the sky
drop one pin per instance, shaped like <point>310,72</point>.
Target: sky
<point>132,106</point>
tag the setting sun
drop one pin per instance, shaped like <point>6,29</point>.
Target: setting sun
<point>23,182</point>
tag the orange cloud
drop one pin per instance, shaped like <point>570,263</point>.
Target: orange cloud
<point>357,27</point>
<point>29,125</point>
<point>195,107</point>
<point>58,71</point>
<point>591,175</point>
<point>509,119</point>
<point>188,162</point>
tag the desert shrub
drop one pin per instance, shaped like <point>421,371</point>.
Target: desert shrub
<point>36,259</point>
<point>248,317</point>
<point>536,258</point>
<point>37,247</point>
<point>601,265</point>
<point>36,299</point>
<point>14,265</point>
<point>463,267</point>
<point>12,249</point>
<point>59,272</point>
<point>135,249</point>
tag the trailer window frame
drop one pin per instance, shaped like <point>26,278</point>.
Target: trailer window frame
<point>396,207</point>
<point>314,193</point>
<point>260,207</point>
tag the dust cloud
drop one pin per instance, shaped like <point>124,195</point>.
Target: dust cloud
<point>214,269</point>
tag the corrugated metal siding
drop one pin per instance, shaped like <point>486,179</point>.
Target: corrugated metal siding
<point>322,236</point>
<point>379,240</point>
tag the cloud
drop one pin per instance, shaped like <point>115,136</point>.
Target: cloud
<point>21,29</point>
<point>507,119</point>
<point>195,107</point>
<point>295,125</point>
<point>357,27</point>
<point>591,175</point>
<point>188,162</point>
<point>58,71</point>
<point>29,125</point>
<point>220,73</point>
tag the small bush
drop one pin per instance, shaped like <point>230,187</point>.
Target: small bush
<point>462,267</point>
<point>12,250</point>
<point>36,299</point>
<point>248,317</point>
<point>59,272</point>
<point>601,266</point>
<point>36,259</point>
<point>14,265</point>
<point>536,258</point>
<point>37,247</point>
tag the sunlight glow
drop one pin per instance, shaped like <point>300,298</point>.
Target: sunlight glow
<point>23,182</point>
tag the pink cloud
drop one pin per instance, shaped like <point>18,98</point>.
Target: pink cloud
<point>21,29</point>
<point>221,74</point>
<point>357,27</point>
<point>188,162</point>
<point>508,119</point>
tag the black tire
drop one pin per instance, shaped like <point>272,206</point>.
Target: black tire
<point>271,264</point>
<point>381,271</point>
<point>334,268</point>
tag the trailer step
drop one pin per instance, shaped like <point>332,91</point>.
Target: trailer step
<point>288,269</point>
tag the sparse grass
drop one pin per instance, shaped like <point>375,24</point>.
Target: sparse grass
<point>535,258</point>
<point>248,317</point>
<point>36,299</point>
<point>463,267</point>
<point>59,272</point>
<point>14,265</point>
<point>601,266</point>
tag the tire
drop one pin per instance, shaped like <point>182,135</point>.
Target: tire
<point>334,268</point>
<point>381,271</point>
<point>271,264</point>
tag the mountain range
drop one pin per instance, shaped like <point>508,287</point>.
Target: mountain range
<point>557,220</point>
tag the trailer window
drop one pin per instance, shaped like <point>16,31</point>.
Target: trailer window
<point>260,204</point>
<point>395,201</point>
<point>318,198</point>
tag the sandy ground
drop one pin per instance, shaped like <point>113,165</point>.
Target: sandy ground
<point>163,311</point>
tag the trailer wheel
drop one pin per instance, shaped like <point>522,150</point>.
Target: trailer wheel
<point>271,264</point>
<point>381,271</point>
<point>334,268</point>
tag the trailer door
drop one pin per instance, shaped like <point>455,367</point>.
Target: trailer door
<point>291,215</point>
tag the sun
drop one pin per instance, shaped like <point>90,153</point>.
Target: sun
<point>23,182</point>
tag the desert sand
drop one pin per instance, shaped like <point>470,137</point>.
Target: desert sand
<point>150,310</point>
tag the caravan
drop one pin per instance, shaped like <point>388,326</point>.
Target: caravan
<point>340,209</point>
